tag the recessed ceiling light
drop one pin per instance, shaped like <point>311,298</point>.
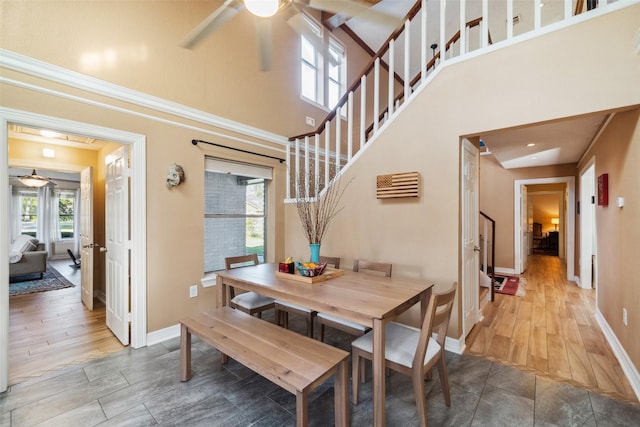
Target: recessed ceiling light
<point>48,133</point>
<point>531,144</point>
<point>49,153</point>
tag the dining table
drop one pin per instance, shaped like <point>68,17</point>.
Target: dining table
<point>367,299</point>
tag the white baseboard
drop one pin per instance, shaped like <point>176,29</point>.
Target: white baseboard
<point>623,358</point>
<point>160,335</point>
<point>455,345</point>
<point>501,270</point>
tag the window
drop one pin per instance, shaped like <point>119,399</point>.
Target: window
<point>66,210</point>
<point>336,75</point>
<point>235,211</point>
<point>28,212</point>
<point>322,82</point>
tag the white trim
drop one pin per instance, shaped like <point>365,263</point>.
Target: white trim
<point>500,270</point>
<point>570,223</point>
<point>625,361</point>
<point>455,345</point>
<point>24,64</point>
<point>164,334</point>
<point>133,113</point>
<point>138,219</point>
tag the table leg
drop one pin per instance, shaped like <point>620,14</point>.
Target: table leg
<point>378,373</point>
<point>185,353</point>
<point>341,394</point>
<point>223,301</point>
<point>222,293</point>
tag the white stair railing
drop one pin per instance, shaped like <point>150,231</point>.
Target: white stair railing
<point>363,122</point>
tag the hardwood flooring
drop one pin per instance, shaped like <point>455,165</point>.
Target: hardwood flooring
<point>52,330</point>
<point>551,331</point>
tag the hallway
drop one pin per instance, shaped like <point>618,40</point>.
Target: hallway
<point>49,331</point>
<point>551,331</point>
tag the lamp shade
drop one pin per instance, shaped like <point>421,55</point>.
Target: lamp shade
<point>35,180</point>
<point>555,221</point>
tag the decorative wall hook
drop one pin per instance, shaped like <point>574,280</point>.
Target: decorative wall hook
<point>175,176</point>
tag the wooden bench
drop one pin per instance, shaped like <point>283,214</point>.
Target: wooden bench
<point>293,361</point>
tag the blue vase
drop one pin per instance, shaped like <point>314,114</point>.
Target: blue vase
<point>315,252</point>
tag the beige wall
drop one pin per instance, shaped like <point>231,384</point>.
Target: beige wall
<point>497,200</point>
<point>545,207</point>
<point>136,44</point>
<point>220,76</point>
<point>616,153</point>
<point>421,236</point>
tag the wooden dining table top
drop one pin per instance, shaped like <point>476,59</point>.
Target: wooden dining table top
<point>357,296</point>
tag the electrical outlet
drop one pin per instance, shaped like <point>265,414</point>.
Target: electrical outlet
<point>624,316</point>
<point>193,291</point>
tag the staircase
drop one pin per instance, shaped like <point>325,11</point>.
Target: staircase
<point>408,61</point>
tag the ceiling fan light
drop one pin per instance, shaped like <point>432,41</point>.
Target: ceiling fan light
<point>35,180</point>
<point>262,8</point>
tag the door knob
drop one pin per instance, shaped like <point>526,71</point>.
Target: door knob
<point>476,249</point>
<point>103,249</point>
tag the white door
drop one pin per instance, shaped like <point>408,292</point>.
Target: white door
<point>587,226</point>
<point>524,229</point>
<point>117,243</point>
<point>86,236</point>
<point>470,236</point>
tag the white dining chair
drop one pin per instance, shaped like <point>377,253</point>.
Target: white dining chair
<point>344,325</point>
<point>412,351</point>
<point>284,309</point>
<point>249,302</point>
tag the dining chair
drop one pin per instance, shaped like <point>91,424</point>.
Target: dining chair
<point>344,325</point>
<point>412,351</point>
<point>249,302</point>
<point>284,309</point>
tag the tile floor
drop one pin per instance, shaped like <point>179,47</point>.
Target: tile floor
<point>142,387</point>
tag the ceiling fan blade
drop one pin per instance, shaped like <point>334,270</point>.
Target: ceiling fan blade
<point>297,22</point>
<point>352,9</point>
<point>344,7</point>
<point>263,33</point>
<point>211,23</point>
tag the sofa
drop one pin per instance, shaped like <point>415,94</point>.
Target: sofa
<point>27,256</point>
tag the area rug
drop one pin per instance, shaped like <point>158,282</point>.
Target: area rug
<point>509,285</point>
<point>27,284</point>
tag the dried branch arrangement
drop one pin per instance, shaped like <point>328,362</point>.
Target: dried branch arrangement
<point>317,212</point>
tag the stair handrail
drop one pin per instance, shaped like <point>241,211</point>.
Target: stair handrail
<point>431,64</point>
<point>356,84</point>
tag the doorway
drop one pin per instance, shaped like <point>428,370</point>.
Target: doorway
<point>588,235</point>
<point>137,144</point>
<point>521,227</point>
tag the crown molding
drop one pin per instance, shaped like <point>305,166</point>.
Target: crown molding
<point>34,67</point>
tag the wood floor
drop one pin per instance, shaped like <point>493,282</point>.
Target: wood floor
<point>51,330</point>
<point>551,331</point>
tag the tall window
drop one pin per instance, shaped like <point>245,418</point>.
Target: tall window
<point>235,212</point>
<point>66,212</point>
<point>336,76</point>
<point>322,66</point>
<point>28,212</point>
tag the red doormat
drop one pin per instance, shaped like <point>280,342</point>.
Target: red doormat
<point>509,285</point>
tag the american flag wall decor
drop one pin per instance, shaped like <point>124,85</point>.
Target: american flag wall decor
<point>396,185</point>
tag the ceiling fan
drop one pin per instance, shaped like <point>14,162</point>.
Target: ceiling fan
<point>289,10</point>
